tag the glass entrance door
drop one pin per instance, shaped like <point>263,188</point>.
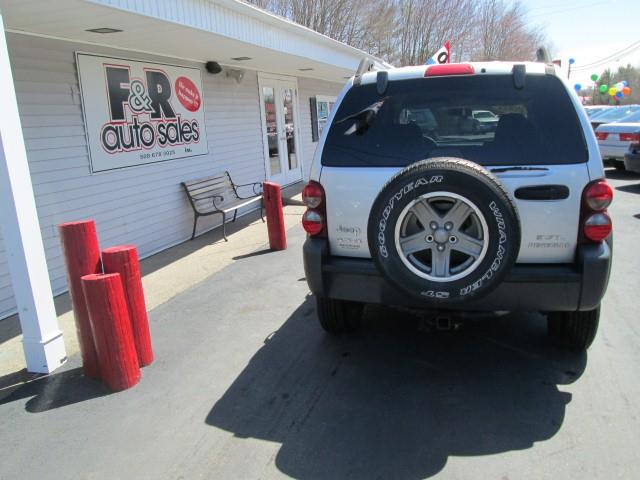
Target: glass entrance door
<point>280,129</point>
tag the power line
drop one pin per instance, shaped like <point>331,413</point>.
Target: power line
<point>609,58</point>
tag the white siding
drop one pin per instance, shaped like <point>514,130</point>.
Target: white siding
<point>143,205</point>
<point>308,88</point>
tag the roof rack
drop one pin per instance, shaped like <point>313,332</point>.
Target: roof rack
<point>542,55</point>
<point>369,64</point>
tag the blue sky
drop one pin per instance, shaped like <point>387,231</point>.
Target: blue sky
<point>589,30</point>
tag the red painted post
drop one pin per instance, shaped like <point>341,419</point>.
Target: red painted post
<point>81,257</point>
<point>275,218</point>
<point>123,259</point>
<point>111,327</point>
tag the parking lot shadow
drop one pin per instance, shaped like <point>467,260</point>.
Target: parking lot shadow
<point>393,402</point>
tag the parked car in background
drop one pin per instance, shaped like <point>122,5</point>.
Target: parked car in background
<point>615,138</point>
<point>593,110</point>
<point>612,115</point>
<point>487,120</point>
<point>632,158</point>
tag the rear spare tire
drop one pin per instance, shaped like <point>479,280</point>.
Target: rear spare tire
<point>444,231</point>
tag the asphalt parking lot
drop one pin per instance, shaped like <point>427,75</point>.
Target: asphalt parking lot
<point>246,385</point>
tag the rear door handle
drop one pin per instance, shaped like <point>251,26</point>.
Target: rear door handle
<point>542,192</point>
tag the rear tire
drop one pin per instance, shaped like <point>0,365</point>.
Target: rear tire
<point>339,316</point>
<point>619,165</point>
<point>573,331</point>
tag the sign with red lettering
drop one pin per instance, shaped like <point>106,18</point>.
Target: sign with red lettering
<point>140,112</point>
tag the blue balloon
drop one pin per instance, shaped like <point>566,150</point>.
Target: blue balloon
<point>625,83</point>
<point>578,87</point>
<point>619,94</point>
<point>572,61</point>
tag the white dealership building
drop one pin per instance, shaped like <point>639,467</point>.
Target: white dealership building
<point>118,101</point>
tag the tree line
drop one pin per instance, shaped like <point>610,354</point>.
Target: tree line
<point>407,32</point>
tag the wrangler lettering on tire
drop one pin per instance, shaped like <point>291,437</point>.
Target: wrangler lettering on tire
<point>444,230</point>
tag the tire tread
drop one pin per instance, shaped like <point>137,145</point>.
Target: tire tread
<point>574,330</point>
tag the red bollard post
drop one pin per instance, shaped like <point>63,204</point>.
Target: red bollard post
<point>111,327</point>
<point>124,260</point>
<point>275,218</point>
<point>81,257</point>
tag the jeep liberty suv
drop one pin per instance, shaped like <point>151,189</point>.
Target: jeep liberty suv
<point>411,206</point>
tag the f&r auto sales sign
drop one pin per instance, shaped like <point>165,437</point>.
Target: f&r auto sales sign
<point>140,112</point>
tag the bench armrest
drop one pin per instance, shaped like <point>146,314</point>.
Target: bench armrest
<point>254,185</point>
<point>214,198</point>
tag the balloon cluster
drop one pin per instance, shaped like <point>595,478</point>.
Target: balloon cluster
<point>619,90</point>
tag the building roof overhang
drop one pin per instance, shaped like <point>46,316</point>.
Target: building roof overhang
<point>193,30</point>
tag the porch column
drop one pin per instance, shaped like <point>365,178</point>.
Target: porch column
<point>42,339</point>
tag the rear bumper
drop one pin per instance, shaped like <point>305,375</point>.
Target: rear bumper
<point>525,288</point>
<point>632,161</point>
<point>615,152</point>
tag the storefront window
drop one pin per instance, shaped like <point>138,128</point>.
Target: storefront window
<point>324,105</point>
<point>321,107</point>
<point>268,94</point>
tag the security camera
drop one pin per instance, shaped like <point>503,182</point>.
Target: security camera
<point>213,67</point>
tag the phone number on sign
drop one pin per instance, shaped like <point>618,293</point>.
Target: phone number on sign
<point>157,155</point>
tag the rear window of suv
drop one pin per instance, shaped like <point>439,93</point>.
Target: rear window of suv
<point>434,117</point>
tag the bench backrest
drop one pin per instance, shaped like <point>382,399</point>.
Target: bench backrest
<point>201,190</point>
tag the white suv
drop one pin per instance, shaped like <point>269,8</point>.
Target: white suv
<point>410,206</point>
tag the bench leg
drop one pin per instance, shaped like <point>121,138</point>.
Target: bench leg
<point>224,227</point>
<point>262,209</point>
<point>195,223</point>
<point>235,212</point>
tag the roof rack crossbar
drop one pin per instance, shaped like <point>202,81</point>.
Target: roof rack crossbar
<point>368,64</point>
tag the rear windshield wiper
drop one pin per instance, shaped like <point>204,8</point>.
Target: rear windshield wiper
<point>510,169</point>
<point>363,119</point>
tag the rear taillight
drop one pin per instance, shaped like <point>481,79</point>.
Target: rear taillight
<point>313,195</point>
<point>598,195</point>
<point>595,222</point>
<point>313,222</point>
<point>314,219</point>
<point>630,137</point>
<point>597,227</point>
<point>602,135</point>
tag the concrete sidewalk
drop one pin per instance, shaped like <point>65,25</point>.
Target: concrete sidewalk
<point>165,275</point>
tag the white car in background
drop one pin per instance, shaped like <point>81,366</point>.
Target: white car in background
<point>487,120</point>
<point>615,138</point>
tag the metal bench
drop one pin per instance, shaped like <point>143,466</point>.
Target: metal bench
<point>218,194</point>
